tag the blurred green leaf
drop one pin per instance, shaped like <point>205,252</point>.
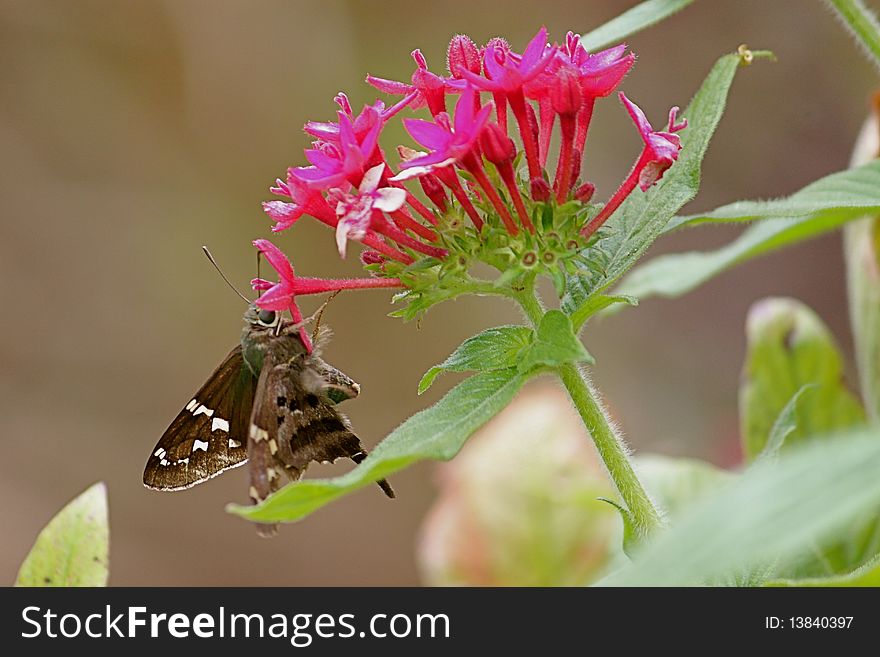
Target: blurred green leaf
<point>643,216</point>
<point>493,349</point>
<point>581,308</point>
<point>861,23</point>
<point>73,549</point>
<point>678,483</point>
<point>789,347</point>
<point>784,425</point>
<point>854,190</point>
<point>631,21</point>
<point>867,575</point>
<point>861,240</point>
<point>630,536</point>
<point>678,273</point>
<point>435,433</point>
<point>555,344</point>
<point>777,510</point>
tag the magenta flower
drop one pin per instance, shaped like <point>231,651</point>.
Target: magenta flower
<point>335,163</point>
<point>660,151</point>
<point>426,89</point>
<point>282,295</point>
<point>601,72</point>
<point>362,124</point>
<point>508,72</point>
<point>661,148</point>
<point>448,142</point>
<point>305,201</point>
<point>355,211</point>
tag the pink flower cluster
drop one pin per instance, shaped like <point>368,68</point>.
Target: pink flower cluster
<point>350,184</point>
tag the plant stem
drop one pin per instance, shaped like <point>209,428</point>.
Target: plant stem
<point>644,517</point>
<point>861,23</point>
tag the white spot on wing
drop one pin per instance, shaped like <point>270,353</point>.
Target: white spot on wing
<point>199,444</point>
<point>220,423</point>
<point>258,434</point>
<point>234,443</point>
<point>160,453</point>
<point>204,409</point>
<point>273,446</point>
<point>192,405</point>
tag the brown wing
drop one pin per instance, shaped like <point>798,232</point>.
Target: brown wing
<point>210,434</point>
<point>292,425</point>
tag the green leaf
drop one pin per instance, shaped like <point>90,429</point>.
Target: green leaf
<point>784,425</point>
<point>555,344</point>
<point>862,23</point>
<point>854,190</point>
<point>861,245</point>
<point>436,433</point>
<point>678,483</point>
<point>630,536</point>
<point>643,216</point>
<point>866,575</point>
<point>582,308</point>
<point>73,549</point>
<point>777,510</point>
<point>818,208</point>
<point>789,347</point>
<point>631,21</point>
<point>676,274</point>
<point>493,349</point>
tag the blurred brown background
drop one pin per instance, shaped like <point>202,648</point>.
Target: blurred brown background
<point>133,132</point>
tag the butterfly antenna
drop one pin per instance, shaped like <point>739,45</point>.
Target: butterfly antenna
<point>320,313</point>
<point>223,276</point>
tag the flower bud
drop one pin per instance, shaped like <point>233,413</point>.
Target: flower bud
<point>565,92</point>
<point>496,145</point>
<point>540,189</point>
<point>462,54</point>
<point>585,192</point>
<point>372,258</point>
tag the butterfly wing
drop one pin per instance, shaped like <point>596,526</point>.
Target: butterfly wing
<point>210,434</point>
<point>295,422</point>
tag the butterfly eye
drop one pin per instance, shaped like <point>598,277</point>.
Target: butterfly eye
<point>266,317</point>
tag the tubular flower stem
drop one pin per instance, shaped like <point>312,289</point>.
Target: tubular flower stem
<point>564,167</point>
<point>520,112</point>
<point>448,178</point>
<point>405,221</point>
<point>475,168</point>
<point>545,118</point>
<point>321,285</point>
<point>384,227</point>
<point>584,117</point>
<point>419,207</point>
<point>625,189</point>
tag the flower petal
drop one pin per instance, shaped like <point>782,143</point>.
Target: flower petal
<point>371,179</point>
<point>276,258</point>
<point>389,199</point>
<point>638,116</point>
<point>427,133</point>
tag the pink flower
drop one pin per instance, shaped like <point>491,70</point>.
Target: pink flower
<point>334,163</point>
<point>281,296</point>
<point>599,73</point>
<point>355,211</point>
<point>448,142</point>
<point>508,72</point>
<point>362,124</point>
<point>661,148</point>
<point>426,89</point>
<point>305,201</point>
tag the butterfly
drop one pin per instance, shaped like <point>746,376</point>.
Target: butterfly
<point>271,404</point>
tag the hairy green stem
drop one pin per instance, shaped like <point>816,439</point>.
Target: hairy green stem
<point>861,23</point>
<point>643,516</point>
